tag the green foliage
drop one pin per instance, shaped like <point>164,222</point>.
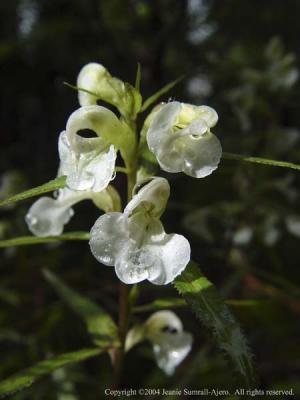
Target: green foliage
<point>50,186</point>
<point>138,77</point>
<point>159,304</point>
<point>30,240</point>
<point>260,160</point>
<point>154,97</point>
<point>99,324</point>
<point>28,376</point>
<point>202,296</point>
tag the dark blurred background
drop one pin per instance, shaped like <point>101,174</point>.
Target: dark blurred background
<point>240,57</point>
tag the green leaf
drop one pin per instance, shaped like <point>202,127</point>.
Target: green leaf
<point>30,240</point>
<point>27,377</point>
<point>171,302</point>
<point>202,296</point>
<point>152,99</point>
<point>260,160</point>
<point>100,325</point>
<point>138,77</point>
<point>50,186</point>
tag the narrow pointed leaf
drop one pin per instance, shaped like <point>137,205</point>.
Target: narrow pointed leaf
<point>152,99</point>
<point>202,296</point>
<point>80,89</point>
<point>99,324</point>
<point>30,240</point>
<point>28,376</point>
<point>50,186</point>
<point>260,160</point>
<point>138,77</point>
<point>160,304</point>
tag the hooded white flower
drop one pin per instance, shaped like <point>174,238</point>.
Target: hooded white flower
<point>89,163</point>
<point>179,135</point>
<point>135,242</point>
<point>99,84</point>
<point>171,344</point>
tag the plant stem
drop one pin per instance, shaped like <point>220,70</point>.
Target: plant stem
<point>124,311</point>
<point>124,301</point>
<point>259,160</point>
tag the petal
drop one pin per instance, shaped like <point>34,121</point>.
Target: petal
<point>162,124</point>
<point>172,351</point>
<point>92,169</point>
<point>47,217</point>
<point>156,193</point>
<point>109,236</point>
<point>89,78</point>
<point>158,257</point>
<point>201,155</point>
<point>136,264</point>
<point>174,252</point>
<point>206,113</point>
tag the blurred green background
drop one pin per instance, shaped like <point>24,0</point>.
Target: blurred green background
<point>243,222</point>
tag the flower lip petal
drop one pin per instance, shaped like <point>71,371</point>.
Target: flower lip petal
<point>47,216</point>
<point>108,237</point>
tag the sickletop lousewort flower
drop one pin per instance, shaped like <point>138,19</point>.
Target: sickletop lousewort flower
<point>98,84</point>
<point>179,135</point>
<point>88,164</point>
<point>171,344</point>
<point>135,241</point>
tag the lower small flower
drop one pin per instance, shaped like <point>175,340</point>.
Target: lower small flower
<point>171,344</point>
<point>135,242</point>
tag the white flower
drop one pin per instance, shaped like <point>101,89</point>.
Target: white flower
<point>89,163</point>
<point>97,82</point>
<point>181,140</point>
<point>171,344</point>
<point>135,242</point>
<point>47,216</point>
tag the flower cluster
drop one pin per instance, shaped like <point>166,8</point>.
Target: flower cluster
<point>179,135</point>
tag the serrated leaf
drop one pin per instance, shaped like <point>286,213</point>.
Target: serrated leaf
<point>99,324</point>
<point>158,304</point>
<point>50,186</point>
<point>138,77</point>
<point>28,376</point>
<point>30,240</point>
<point>152,99</point>
<point>202,296</point>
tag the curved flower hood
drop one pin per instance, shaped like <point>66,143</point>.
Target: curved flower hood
<point>135,242</point>
<point>97,82</point>
<point>179,135</point>
<point>89,163</point>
